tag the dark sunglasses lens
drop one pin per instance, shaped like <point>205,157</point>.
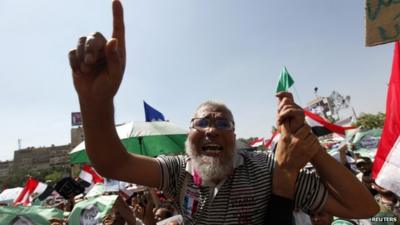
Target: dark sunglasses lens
<point>223,124</point>
<point>201,123</point>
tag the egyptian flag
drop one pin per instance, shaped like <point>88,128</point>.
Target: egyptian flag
<point>257,142</point>
<point>386,167</point>
<point>270,143</point>
<point>321,127</point>
<point>88,176</point>
<point>32,188</point>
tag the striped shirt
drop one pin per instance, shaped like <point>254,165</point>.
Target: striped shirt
<point>242,198</point>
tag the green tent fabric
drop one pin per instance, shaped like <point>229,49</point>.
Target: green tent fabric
<point>144,138</point>
<point>92,211</point>
<point>31,215</point>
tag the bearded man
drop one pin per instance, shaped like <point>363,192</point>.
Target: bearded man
<point>214,183</point>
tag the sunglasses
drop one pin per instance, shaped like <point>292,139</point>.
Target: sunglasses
<point>219,123</point>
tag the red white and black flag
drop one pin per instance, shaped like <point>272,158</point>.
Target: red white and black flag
<point>88,176</point>
<point>32,189</point>
<point>321,127</point>
<point>257,142</point>
<point>270,143</point>
<point>386,168</point>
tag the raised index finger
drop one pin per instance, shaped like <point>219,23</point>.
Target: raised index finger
<point>118,24</point>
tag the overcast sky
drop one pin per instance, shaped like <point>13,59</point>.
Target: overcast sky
<point>181,53</point>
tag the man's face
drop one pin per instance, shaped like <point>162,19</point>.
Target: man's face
<point>321,218</point>
<point>364,167</point>
<point>212,147</point>
<point>160,214</point>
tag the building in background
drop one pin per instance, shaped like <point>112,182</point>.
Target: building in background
<point>77,136</point>
<point>5,169</point>
<point>41,158</point>
<point>321,106</point>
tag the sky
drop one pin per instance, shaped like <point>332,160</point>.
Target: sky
<point>181,53</point>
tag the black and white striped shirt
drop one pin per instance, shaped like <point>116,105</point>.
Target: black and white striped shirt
<point>242,198</point>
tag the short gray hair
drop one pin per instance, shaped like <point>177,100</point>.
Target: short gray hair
<point>217,106</point>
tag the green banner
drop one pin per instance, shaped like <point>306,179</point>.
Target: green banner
<point>92,211</point>
<point>30,215</point>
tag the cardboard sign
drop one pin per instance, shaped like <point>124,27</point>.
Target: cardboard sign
<point>383,21</point>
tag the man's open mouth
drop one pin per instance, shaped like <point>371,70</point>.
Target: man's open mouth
<point>212,148</point>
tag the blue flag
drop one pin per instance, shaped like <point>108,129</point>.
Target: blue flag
<point>152,114</point>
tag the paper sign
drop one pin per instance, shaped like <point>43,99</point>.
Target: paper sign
<point>111,185</point>
<point>383,21</point>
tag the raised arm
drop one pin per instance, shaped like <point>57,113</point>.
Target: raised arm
<point>97,69</point>
<point>347,197</point>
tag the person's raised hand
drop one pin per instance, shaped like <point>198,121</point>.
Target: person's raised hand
<point>293,151</point>
<point>290,116</point>
<point>97,64</point>
<point>297,145</point>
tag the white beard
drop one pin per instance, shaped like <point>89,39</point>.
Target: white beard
<point>212,169</point>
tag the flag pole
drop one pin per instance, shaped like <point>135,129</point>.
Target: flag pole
<point>297,95</point>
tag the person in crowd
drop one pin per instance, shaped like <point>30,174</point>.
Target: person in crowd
<point>389,205</point>
<point>213,183</point>
<point>162,212</point>
<point>321,218</point>
<point>121,215</point>
<point>364,165</point>
<point>345,158</point>
<point>56,221</point>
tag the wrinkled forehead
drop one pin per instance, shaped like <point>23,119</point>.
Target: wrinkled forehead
<point>213,111</point>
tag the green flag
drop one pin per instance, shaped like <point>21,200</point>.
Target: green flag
<point>32,215</point>
<point>285,81</point>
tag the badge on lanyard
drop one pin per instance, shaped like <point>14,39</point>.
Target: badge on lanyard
<point>191,201</point>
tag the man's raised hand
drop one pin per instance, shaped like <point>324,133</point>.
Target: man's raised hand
<point>97,64</point>
<point>297,144</point>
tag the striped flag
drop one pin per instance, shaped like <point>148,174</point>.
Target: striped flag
<point>257,142</point>
<point>32,189</point>
<point>321,127</point>
<point>386,165</point>
<point>270,143</point>
<point>88,176</point>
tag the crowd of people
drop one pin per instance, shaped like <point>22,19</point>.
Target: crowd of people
<point>361,167</point>
<point>148,206</point>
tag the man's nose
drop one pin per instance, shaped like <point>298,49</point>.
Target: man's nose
<point>211,131</point>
